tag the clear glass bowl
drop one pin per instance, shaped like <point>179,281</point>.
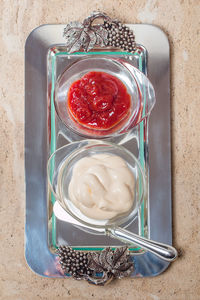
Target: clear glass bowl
<point>60,166</point>
<point>138,86</point>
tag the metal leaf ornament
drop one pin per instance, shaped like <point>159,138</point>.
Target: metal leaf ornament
<point>85,36</point>
<point>112,33</point>
<point>113,264</point>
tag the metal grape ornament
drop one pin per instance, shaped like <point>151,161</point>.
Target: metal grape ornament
<point>98,268</point>
<point>109,33</point>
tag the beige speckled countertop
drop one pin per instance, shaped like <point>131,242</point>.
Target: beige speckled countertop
<point>180,20</point>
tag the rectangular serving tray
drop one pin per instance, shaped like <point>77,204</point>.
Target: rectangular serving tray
<point>45,60</point>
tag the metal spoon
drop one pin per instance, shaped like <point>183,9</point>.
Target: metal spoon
<point>165,252</point>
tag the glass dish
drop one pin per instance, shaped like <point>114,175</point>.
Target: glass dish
<point>59,134</point>
<point>60,168</point>
<point>138,87</point>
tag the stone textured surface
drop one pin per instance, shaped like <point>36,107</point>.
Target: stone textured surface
<point>180,20</point>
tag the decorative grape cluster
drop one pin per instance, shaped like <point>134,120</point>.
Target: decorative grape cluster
<point>73,262</point>
<point>96,267</point>
<point>120,36</point>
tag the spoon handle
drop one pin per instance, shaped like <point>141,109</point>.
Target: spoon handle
<point>163,251</point>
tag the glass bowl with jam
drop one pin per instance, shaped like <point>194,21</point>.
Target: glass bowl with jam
<point>101,96</point>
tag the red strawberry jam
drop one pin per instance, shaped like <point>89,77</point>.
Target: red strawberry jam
<point>98,100</point>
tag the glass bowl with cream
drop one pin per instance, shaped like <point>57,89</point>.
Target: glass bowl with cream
<point>98,183</point>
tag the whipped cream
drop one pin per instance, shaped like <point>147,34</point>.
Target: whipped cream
<point>102,186</point>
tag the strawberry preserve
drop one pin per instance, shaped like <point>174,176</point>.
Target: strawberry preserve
<point>98,100</point>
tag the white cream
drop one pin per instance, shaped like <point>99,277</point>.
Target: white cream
<point>102,186</point>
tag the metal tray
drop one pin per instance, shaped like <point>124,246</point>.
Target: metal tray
<point>45,60</point>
